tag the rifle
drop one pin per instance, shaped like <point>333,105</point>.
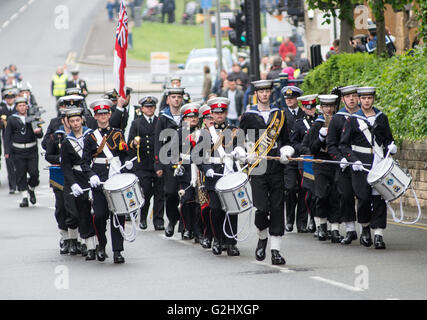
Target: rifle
<point>35,117</point>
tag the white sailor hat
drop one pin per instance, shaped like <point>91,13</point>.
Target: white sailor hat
<point>148,101</point>
<point>348,90</point>
<point>75,71</point>
<point>72,100</point>
<point>366,91</point>
<point>308,101</point>
<point>292,92</point>
<point>21,100</point>
<point>328,99</point>
<point>111,94</point>
<point>262,84</point>
<point>175,90</point>
<point>218,104</point>
<point>75,90</point>
<point>190,110</point>
<point>101,106</point>
<point>175,77</point>
<point>204,111</point>
<point>10,92</point>
<point>73,112</point>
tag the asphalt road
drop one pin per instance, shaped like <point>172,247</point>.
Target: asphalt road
<point>157,267</point>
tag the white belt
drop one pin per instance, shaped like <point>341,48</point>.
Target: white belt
<point>216,160</point>
<point>185,156</point>
<point>361,149</point>
<point>77,167</point>
<point>104,160</point>
<point>24,145</point>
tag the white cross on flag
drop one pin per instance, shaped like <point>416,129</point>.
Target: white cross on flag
<point>120,51</point>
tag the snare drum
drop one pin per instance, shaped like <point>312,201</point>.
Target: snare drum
<point>389,179</point>
<point>123,193</point>
<point>235,193</point>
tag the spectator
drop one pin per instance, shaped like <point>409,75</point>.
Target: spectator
<point>168,8</point>
<point>334,49</point>
<point>276,69</point>
<point>242,57</point>
<point>110,9</point>
<point>286,47</point>
<point>242,79</point>
<point>357,44</point>
<point>207,83</point>
<point>235,95</point>
<point>289,60</point>
<point>264,65</point>
<point>290,71</point>
<point>219,83</point>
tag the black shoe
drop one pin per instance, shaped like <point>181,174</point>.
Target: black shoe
<point>187,235</point>
<point>336,237</point>
<point>329,234</point>
<point>276,258</point>
<point>100,253</point>
<point>65,248</point>
<point>197,238</point>
<point>323,232</point>
<point>159,227</point>
<point>79,247</point>
<point>169,230</point>
<point>24,203</point>
<point>32,196</point>
<point>91,255</point>
<point>143,224</point>
<point>83,249</point>
<point>232,250</point>
<point>118,258</point>
<point>206,243</point>
<point>289,227</point>
<point>349,237</point>
<point>260,249</point>
<point>302,230</point>
<point>216,247</point>
<point>12,191</point>
<point>73,247</point>
<point>311,227</point>
<point>316,233</point>
<point>365,237</point>
<point>379,242</point>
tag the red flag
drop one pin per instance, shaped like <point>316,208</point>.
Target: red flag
<point>120,51</point>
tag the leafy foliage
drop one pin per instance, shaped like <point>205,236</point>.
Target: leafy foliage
<point>401,83</point>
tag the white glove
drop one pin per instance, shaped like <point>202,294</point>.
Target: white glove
<point>239,154</point>
<point>94,181</point>
<point>129,165</point>
<point>392,148</point>
<point>344,163</point>
<point>210,173</point>
<point>285,153</point>
<point>357,166</point>
<point>251,157</point>
<point>179,171</point>
<point>193,183</point>
<point>76,190</point>
<point>323,132</point>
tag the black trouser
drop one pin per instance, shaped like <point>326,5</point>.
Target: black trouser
<point>171,187</point>
<point>346,194</point>
<point>26,162</point>
<point>218,217</point>
<point>268,195</point>
<point>152,186</point>
<point>190,210</point>
<point>327,200</point>
<point>370,209</point>
<point>63,216</point>
<point>80,208</point>
<point>206,222</point>
<point>101,215</point>
<point>294,197</point>
<point>11,172</point>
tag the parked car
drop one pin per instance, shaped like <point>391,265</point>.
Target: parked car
<point>198,58</point>
<point>192,82</point>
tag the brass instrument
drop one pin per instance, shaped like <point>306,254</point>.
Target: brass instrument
<point>137,140</point>
<point>4,119</point>
<point>202,193</point>
<point>328,119</point>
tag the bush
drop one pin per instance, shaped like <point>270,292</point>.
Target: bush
<point>401,83</point>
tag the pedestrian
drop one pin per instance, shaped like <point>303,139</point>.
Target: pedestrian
<point>76,82</point>
<point>235,95</point>
<point>334,49</point>
<point>168,8</point>
<point>207,82</point>
<point>287,46</point>
<point>110,10</point>
<point>59,83</point>
<point>276,69</point>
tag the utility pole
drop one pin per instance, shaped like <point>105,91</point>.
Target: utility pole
<point>206,21</point>
<point>254,35</point>
<point>218,38</point>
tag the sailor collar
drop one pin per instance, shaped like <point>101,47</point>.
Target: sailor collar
<point>254,109</point>
<point>60,130</point>
<point>166,112</point>
<point>72,136</point>
<point>360,115</point>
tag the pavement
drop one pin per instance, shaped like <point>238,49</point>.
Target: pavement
<point>160,268</point>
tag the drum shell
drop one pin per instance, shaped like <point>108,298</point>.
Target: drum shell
<point>236,200</point>
<point>125,200</point>
<point>392,183</point>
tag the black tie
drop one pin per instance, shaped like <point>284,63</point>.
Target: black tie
<point>149,120</point>
<point>294,112</point>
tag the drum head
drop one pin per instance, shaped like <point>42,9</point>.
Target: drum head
<point>231,181</point>
<point>379,170</point>
<point>120,181</point>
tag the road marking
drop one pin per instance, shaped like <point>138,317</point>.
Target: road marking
<point>187,242</point>
<point>13,17</point>
<point>282,269</point>
<point>5,24</point>
<point>337,284</point>
<point>30,2</point>
<point>416,226</point>
<point>23,8</point>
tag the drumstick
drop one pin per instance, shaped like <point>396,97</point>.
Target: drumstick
<point>312,160</point>
<point>132,160</point>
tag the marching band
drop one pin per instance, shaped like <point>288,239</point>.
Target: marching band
<point>307,159</point>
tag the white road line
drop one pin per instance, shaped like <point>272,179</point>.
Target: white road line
<point>13,17</point>
<point>282,269</point>
<point>30,2</point>
<point>5,24</point>
<point>187,242</point>
<point>23,8</point>
<point>337,284</point>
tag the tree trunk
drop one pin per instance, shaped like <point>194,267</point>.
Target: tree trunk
<point>346,27</point>
<point>381,48</point>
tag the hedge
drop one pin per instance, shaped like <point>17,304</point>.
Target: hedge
<point>401,83</point>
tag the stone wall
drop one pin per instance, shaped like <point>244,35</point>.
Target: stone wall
<point>413,156</point>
